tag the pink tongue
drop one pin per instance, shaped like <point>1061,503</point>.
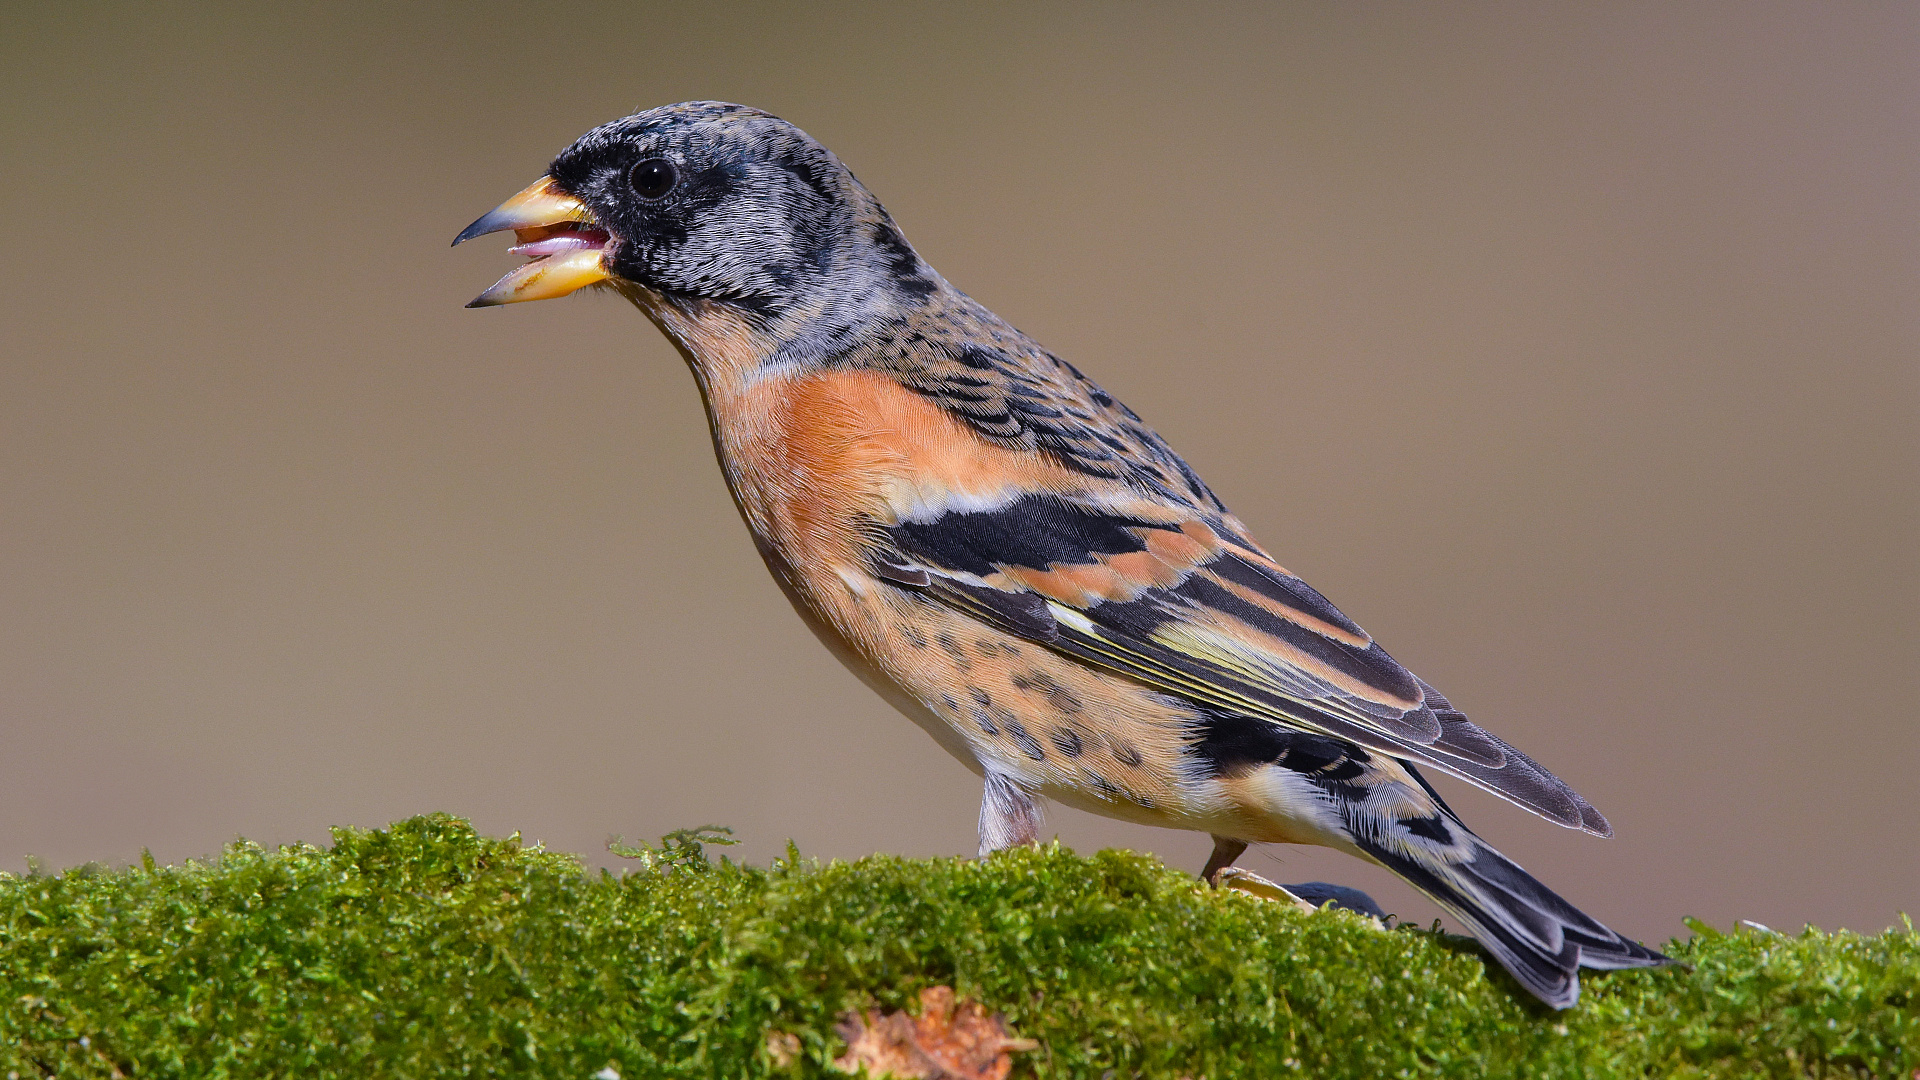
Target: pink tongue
<point>553,245</point>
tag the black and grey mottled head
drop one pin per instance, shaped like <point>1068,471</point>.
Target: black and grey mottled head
<point>722,202</point>
<point>710,203</point>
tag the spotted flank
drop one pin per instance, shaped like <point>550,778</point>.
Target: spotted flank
<point>1009,555</point>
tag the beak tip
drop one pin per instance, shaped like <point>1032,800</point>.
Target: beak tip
<point>489,222</point>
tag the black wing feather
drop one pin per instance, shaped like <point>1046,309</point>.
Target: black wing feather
<point>1201,636</point>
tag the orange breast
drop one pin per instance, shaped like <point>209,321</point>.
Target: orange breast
<point>814,456</point>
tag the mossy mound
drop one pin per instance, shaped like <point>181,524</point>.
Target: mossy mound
<point>426,950</point>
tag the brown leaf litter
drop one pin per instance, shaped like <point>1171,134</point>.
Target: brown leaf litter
<point>945,1042</point>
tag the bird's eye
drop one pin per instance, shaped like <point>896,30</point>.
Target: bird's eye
<point>653,178</point>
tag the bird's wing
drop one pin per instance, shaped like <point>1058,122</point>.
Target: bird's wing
<point>1178,598</point>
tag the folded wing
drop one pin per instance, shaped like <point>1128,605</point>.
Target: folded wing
<point>1180,600</point>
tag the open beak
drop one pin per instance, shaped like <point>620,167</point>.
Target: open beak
<point>555,232</point>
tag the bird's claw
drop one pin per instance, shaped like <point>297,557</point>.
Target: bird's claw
<point>1246,881</point>
<point>1322,895</point>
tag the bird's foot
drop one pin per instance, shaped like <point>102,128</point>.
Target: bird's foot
<point>1246,881</point>
<point>1308,896</point>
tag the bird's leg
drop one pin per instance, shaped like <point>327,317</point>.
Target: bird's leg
<point>1225,850</point>
<point>1222,874</point>
<point>1009,816</point>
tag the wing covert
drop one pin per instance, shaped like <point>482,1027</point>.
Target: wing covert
<point>1175,598</point>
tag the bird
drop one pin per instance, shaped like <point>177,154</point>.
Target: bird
<point>1012,557</point>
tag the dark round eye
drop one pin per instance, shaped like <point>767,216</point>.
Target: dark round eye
<point>653,178</point>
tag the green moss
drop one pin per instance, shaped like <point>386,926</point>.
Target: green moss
<point>427,950</point>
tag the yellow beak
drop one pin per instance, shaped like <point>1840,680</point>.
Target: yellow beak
<point>556,231</point>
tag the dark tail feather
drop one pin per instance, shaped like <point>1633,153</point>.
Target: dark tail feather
<point>1538,937</point>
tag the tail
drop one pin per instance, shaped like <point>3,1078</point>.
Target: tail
<point>1540,939</point>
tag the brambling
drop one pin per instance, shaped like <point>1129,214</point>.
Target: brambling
<point>1010,556</point>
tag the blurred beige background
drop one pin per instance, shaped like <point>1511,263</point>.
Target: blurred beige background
<point>1570,349</point>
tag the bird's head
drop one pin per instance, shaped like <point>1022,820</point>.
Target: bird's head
<point>705,201</point>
